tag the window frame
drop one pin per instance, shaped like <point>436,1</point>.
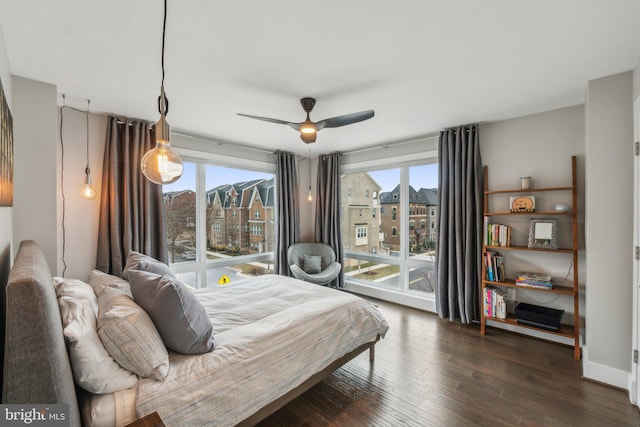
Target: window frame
<point>422,151</point>
<point>202,159</point>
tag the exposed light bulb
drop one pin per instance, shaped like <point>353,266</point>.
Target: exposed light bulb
<point>162,165</point>
<point>87,191</point>
<point>309,198</point>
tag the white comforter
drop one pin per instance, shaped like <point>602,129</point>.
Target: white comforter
<point>271,334</point>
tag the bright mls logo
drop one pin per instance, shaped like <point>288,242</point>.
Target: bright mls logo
<point>36,415</point>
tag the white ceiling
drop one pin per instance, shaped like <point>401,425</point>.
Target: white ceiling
<point>422,65</point>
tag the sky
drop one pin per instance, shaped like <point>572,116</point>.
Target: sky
<point>424,176</point>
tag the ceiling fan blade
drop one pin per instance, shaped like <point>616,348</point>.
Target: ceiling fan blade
<point>295,126</point>
<point>308,138</point>
<point>346,119</point>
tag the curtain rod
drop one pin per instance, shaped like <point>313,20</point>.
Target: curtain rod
<point>235,144</point>
<point>393,144</point>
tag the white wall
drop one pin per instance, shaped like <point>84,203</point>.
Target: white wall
<point>540,146</point>
<point>80,215</point>
<point>6,213</point>
<point>35,174</point>
<point>609,207</point>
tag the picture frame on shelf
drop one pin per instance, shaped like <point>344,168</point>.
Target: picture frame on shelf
<point>522,204</point>
<point>543,233</point>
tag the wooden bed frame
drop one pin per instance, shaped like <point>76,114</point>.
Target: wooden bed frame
<point>313,380</point>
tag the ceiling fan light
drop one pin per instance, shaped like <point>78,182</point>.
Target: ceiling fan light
<point>308,128</point>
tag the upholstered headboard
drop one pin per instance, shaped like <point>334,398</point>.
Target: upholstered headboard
<point>36,365</point>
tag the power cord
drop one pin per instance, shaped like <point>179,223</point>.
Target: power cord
<point>64,231</point>
<point>64,200</point>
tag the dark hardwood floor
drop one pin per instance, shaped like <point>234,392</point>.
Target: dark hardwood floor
<point>431,372</point>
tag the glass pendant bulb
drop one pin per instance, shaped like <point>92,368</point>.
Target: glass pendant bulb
<point>87,191</point>
<point>162,165</point>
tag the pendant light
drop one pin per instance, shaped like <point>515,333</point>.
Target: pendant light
<point>87,192</point>
<point>310,198</point>
<point>162,165</point>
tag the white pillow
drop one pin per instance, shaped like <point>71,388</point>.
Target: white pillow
<point>93,368</point>
<point>100,280</point>
<point>76,289</point>
<point>129,335</point>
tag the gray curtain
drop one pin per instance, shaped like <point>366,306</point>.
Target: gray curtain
<point>459,248</point>
<point>328,228</point>
<point>131,212</point>
<point>287,210</point>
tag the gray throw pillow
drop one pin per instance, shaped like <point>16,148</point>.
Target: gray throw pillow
<point>179,316</point>
<point>138,261</point>
<point>312,264</point>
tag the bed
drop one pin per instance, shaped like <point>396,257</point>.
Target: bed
<point>275,337</point>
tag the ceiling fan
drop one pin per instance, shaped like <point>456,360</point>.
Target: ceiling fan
<point>308,128</point>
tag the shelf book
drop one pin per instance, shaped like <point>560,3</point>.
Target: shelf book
<point>496,234</point>
<point>534,280</point>
<point>494,267</point>
<point>495,303</point>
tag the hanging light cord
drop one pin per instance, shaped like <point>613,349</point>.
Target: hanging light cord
<point>64,199</point>
<point>64,233</point>
<point>163,101</point>
<point>87,170</point>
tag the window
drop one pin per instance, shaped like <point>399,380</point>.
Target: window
<point>361,236</point>
<point>366,194</point>
<point>180,211</point>
<point>226,229</point>
<point>394,250</point>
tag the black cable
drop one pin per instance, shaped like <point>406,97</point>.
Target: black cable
<point>163,101</point>
<point>64,232</point>
<point>164,28</point>
<point>87,170</point>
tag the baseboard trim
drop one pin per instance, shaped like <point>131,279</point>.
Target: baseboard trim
<point>604,374</point>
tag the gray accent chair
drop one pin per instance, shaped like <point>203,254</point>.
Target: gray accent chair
<point>329,268</point>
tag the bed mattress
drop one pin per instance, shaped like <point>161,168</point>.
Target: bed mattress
<point>271,334</point>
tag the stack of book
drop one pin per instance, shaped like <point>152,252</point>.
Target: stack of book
<point>534,280</point>
<point>495,303</point>
<point>494,267</point>
<point>497,234</point>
